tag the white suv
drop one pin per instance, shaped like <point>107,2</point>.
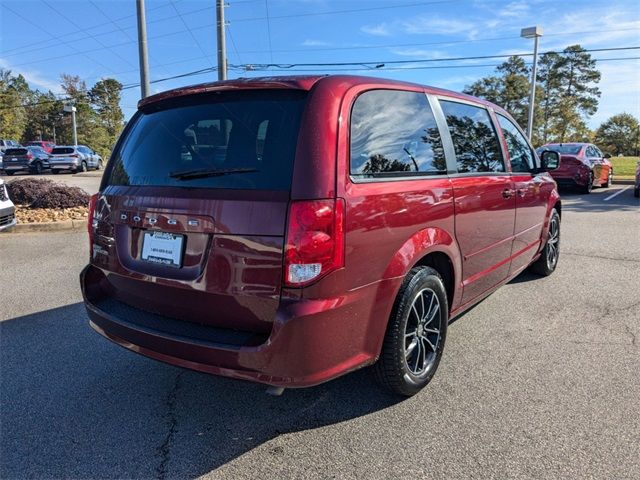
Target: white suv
<point>7,208</point>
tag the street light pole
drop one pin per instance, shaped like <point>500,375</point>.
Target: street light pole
<point>222,47</point>
<point>142,50</point>
<point>535,33</point>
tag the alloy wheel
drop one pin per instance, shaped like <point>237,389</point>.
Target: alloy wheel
<point>553,242</point>
<point>422,332</point>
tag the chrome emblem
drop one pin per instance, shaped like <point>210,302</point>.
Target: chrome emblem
<point>193,223</point>
<point>136,218</point>
<point>153,220</point>
<point>123,216</point>
<point>171,221</point>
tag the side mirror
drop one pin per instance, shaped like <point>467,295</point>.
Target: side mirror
<point>607,155</point>
<point>550,160</point>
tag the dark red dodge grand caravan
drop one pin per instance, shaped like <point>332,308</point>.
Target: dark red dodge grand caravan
<point>289,230</point>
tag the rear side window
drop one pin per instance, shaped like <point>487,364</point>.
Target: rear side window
<point>474,139</point>
<point>237,140</point>
<point>520,153</point>
<point>393,133</point>
<point>62,151</point>
<point>16,151</point>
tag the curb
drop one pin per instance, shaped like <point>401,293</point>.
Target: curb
<point>623,181</point>
<point>66,225</point>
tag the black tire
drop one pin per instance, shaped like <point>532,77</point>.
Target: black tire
<point>548,261</point>
<point>589,186</point>
<point>9,172</point>
<point>99,166</point>
<point>55,172</point>
<point>395,369</point>
<point>636,192</point>
<point>82,167</point>
<point>37,168</point>
<point>607,184</point>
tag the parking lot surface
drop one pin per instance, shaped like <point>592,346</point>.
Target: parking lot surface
<point>540,380</point>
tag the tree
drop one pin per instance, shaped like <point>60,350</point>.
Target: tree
<point>13,117</point>
<point>509,88</point>
<point>570,95</point>
<point>620,134</point>
<point>105,99</point>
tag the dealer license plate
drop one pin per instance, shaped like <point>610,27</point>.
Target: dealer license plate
<point>162,248</point>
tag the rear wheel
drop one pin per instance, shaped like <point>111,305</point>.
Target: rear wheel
<point>37,168</point>
<point>9,172</point>
<point>546,264</point>
<point>589,186</point>
<point>82,167</point>
<point>99,166</point>
<point>55,172</point>
<point>416,333</point>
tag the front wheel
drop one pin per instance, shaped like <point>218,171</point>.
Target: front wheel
<point>99,166</point>
<point>416,333</point>
<point>82,167</point>
<point>37,168</point>
<point>548,261</point>
<point>607,184</point>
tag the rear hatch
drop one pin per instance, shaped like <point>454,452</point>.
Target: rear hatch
<point>16,158</point>
<point>191,217</point>
<point>63,155</point>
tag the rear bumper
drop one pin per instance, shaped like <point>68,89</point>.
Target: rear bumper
<point>63,165</point>
<point>571,178</point>
<point>312,341</point>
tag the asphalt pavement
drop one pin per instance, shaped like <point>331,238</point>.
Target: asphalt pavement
<point>540,380</point>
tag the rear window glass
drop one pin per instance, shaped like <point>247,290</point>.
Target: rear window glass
<point>474,139</point>
<point>562,149</point>
<point>15,151</point>
<point>61,151</point>
<point>394,134</point>
<point>237,140</point>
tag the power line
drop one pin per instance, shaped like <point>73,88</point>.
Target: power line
<point>191,33</point>
<point>351,10</point>
<point>63,16</point>
<point>266,7</point>
<point>70,34</point>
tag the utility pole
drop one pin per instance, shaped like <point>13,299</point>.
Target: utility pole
<point>142,49</point>
<point>535,33</point>
<point>222,48</point>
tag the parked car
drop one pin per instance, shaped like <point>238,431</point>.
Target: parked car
<point>78,158</point>
<point>290,230</point>
<point>636,189</point>
<point>7,208</point>
<point>45,145</point>
<point>25,159</point>
<point>4,144</point>
<point>582,165</point>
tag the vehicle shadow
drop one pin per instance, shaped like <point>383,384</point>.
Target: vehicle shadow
<point>75,405</point>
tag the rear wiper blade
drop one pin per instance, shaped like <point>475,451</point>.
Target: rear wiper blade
<point>208,172</point>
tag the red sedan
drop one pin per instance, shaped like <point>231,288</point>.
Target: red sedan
<point>582,165</point>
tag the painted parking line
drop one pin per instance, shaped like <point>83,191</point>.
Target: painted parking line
<point>617,193</point>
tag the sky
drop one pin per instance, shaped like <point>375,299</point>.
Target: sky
<point>98,38</point>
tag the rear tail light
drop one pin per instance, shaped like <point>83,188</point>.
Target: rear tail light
<point>29,156</point>
<point>91,221</point>
<point>315,240</point>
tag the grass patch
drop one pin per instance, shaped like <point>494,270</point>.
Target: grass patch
<point>624,166</point>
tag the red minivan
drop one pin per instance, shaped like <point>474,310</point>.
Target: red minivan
<point>288,230</point>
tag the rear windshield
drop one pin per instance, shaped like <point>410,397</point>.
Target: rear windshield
<point>62,150</point>
<point>238,140</point>
<point>15,151</point>
<point>562,149</point>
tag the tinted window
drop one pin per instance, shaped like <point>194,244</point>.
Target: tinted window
<point>252,131</point>
<point>16,151</point>
<point>474,138</point>
<point>393,133</point>
<point>520,153</point>
<point>567,149</point>
<point>62,150</point>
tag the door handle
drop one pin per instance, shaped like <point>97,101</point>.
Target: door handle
<point>507,192</point>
